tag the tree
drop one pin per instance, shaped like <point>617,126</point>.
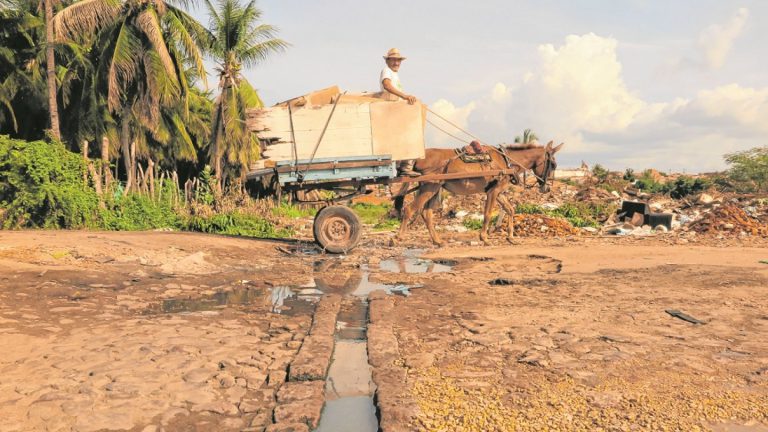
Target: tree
<point>50,67</point>
<point>528,137</point>
<point>749,168</point>
<point>238,41</point>
<point>143,48</point>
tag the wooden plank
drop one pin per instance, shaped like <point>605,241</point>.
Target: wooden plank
<point>268,121</point>
<point>318,97</point>
<point>397,129</point>
<point>332,165</point>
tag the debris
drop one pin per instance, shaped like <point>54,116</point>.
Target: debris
<point>705,199</point>
<point>763,261</point>
<point>656,219</point>
<point>677,314</point>
<point>729,219</point>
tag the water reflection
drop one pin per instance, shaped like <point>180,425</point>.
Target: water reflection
<point>239,296</point>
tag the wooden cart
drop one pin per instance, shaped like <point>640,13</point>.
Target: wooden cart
<point>342,143</point>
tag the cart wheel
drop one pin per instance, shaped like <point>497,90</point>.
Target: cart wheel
<point>337,229</point>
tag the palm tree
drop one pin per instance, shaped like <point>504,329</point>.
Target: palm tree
<point>142,48</point>
<point>238,41</point>
<point>50,67</point>
<point>528,137</point>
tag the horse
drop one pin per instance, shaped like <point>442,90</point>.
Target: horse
<point>520,158</point>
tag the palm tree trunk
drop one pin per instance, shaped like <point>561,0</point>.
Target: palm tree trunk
<point>125,148</point>
<point>50,67</point>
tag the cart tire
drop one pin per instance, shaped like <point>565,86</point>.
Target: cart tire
<point>337,229</point>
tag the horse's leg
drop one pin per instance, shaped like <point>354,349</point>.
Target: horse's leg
<point>428,215</point>
<point>425,193</point>
<point>490,202</point>
<point>510,209</point>
<point>399,198</point>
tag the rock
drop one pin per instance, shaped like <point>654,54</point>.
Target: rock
<point>705,199</point>
<point>218,407</point>
<point>311,363</point>
<point>225,380</point>
<point>293,427</point>
<point>306,411</point>
<point>300,391</point>
<point>276,378</point>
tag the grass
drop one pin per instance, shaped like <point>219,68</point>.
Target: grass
<point>293,211</point>
<point>579,215</point>
<point>376,215</point>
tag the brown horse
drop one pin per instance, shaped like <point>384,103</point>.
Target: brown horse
<point>539,159</point>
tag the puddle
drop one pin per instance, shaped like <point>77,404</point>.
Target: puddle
<point>366,287</point>
<point>294,301</point>
<point>411,263</point>
<point>349,387</point>
<point>221,299</point>
<point>281,300</point>
<point>349,414</point>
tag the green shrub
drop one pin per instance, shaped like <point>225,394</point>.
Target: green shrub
<point>472,224</point>
<point>749,169</point>
<point>293,211</point>
<point>376,215</point>
<point>137,212</point>
<point>600,173</point>
<point>41,186</point>
<point>685,186</point>
<point>578,214</point>
<point>235,223</point>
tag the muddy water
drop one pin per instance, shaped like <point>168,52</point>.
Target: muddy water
<point>349,387</point>
<point>349,390</point>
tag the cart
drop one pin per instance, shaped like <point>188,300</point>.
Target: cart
<point>340,142</point>
<point>337,228</point>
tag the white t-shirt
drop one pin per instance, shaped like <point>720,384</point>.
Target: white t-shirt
<point>393,77</point>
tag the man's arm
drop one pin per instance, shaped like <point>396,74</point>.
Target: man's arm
<point>387,83</point>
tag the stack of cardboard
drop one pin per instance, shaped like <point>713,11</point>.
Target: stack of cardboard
<point>360,125</point>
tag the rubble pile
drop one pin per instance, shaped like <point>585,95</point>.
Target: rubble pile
<point>536,225</point>
<point>729,219</point>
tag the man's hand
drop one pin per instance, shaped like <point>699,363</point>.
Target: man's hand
<point>411,99</point>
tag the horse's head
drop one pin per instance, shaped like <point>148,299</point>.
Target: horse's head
<point>544,166</point>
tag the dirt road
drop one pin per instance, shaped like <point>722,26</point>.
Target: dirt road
<point>167,331</point>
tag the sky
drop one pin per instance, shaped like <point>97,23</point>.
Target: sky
<point>672,85</point>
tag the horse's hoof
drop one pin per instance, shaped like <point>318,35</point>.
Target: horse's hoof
<point>439,244</point>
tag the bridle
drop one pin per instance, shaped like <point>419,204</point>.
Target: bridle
<point>548,171</point>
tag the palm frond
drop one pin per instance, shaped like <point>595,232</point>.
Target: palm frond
<point>123,65</point>
<point>191,42</point>
<point>149,24</point>
<point>85,17</point>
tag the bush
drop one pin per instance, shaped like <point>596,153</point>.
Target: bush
<point>685,186</point>
<point>137,212</point>
<point>600,173</point>
<point>749,169</point>
<point>41,186</point>
<point>235,223</point>
<point>577,214</point>
<point>376,215</point>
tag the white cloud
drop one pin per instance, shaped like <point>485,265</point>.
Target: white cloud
<point>717,39</point>
<point>745,106</point>
<point>456,115</point>
<point>576,94</point>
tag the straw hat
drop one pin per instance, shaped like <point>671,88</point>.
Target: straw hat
<point>394,53</point>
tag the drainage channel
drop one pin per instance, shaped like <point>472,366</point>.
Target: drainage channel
<point>349,387</point>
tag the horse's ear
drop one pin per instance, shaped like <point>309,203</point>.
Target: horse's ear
<point>549,145</point>
<point>557,149</point>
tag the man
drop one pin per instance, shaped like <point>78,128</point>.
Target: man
<point>392,89</point>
